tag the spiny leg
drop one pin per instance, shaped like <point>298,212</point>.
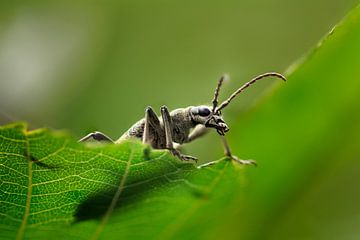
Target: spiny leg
<point>152,126</point>
<point>168,126</point>
<point>227,153</point>
<point>98,136</point>
<point>198,132</point>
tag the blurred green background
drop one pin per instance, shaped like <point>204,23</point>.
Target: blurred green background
<point>85,65</point>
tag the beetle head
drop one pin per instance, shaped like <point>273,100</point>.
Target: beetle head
<point>212,117</point>
<point>204,115</point>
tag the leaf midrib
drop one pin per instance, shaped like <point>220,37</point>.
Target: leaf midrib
<point>115,199</point>
<point>21,230</point>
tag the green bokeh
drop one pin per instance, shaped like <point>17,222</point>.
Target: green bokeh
<point>87,66</point>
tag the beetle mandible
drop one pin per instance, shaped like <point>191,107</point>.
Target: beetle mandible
<point>183,125</point>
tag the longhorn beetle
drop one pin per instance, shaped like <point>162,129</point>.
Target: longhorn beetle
<point>183,125</point>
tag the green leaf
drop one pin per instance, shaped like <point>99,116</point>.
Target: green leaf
<point>305,137</point>
<point>50,182</point>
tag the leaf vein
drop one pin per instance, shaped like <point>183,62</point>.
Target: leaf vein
<point>21,231</point>
<point>115,198</point>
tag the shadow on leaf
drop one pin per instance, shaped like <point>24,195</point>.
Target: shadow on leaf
<point>135,190</point>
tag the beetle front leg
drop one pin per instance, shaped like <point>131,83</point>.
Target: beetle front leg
<point>198,132</point>
<point>227,153</point>
<point>168,127</point>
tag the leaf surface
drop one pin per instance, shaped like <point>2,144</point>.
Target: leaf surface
<point>305,137</point>
<point>50,182</point>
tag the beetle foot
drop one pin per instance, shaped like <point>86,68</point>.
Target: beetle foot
<point>181,156</point>
<point>243,162</point>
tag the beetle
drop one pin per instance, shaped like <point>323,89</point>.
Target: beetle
<point>183,125</point>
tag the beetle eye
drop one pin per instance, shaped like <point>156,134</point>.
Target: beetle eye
<point>203,111</point>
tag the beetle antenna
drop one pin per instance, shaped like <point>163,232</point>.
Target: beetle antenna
<point>217,90</point>
<point>246,85</point>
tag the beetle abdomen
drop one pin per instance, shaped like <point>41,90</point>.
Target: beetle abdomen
<point>135,131</point>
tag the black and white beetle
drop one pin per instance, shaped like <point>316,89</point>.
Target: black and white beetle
<point>183,125</point>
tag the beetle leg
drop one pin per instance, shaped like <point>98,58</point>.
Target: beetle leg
<point>199,131</point>
<point>98,136</point>
<point>151,128</point>
<point>227,153</point>
<point>168,126</point>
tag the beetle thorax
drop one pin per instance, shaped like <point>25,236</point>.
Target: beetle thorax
<point>182,124</point>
